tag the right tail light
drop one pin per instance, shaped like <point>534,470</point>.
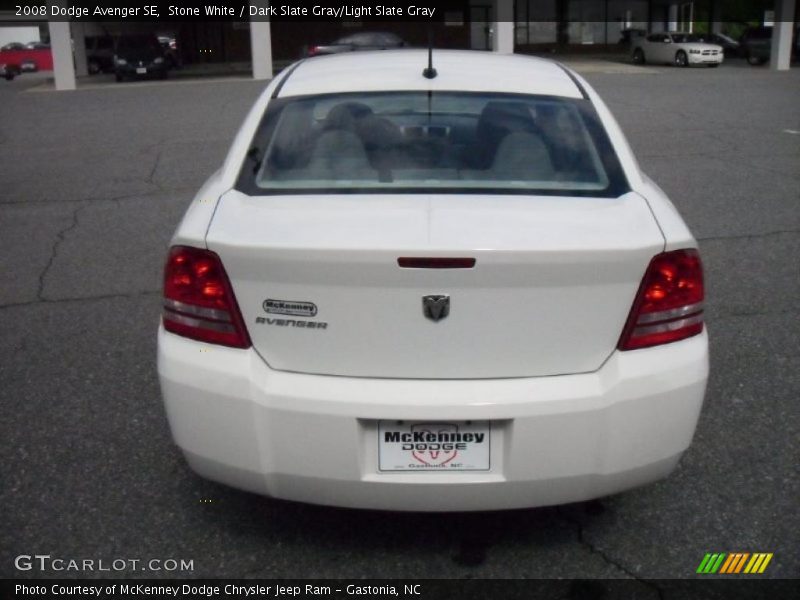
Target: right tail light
<point>669,304</point>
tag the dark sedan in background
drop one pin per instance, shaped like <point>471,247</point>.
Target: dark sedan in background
<point>139,56</point>
<point>756,44</point>
<point>728,44</point>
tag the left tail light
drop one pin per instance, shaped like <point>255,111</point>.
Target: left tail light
<point>199,301</point>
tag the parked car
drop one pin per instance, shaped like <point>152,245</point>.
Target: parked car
<point>628,35</point>
<point>9,71</point>
<point>442,291</point>
<point>365,40</point>
<point>27,59</point>
<point>728,44</point>
<point>680,49</point>
<point>755,45</point>
<point>99,54</point>
<point>139,55</point>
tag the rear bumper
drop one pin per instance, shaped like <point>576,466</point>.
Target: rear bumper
<point>151,70</point>
<point>314,438</point>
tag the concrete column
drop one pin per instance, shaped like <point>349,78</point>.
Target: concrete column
<point>261,48</point>
<point>672,17</point>
<point>61,47</point>
<point>79,47</point>
<point>781,53</point>
<point>503,42</point>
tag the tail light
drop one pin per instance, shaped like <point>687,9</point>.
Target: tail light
<point>669,304</point>
<point>313,50</point>
<point>199,301</point>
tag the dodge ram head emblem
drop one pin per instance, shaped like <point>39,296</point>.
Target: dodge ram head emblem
<point>436,307</point>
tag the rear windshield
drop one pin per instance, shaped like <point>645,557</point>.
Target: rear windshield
<point>759,34</point>
<point>431,142</point>
<point>144,42</point>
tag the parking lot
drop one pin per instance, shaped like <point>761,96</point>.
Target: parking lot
<point>92,184</point>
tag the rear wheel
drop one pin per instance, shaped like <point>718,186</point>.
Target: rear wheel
<point>638,56</point>
<point>681,60</point>
<point>714,65</point>
<point>755,60</point>
<point>9,75</point>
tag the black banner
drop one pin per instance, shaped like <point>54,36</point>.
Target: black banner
<point>733,588</point>
<point>439,11</point>
<point>235,10</point>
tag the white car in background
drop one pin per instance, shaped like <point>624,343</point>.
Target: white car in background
<point>433,292</point>
<point>679,49</point>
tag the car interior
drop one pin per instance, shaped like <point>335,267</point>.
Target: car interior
<point>483,140</point>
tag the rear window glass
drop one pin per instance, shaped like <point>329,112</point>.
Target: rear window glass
<point>431,142</point>
<point>138,43</point>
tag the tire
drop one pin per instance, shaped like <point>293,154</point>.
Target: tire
<point>9,76</point>
<point>681,60</point>
<point>755,60</point>
<point>638,56</point>
<point>714,65</point>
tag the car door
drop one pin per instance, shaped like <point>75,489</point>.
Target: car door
<point>656,47</point>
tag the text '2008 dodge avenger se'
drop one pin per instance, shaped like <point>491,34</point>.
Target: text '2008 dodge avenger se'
<point>443,291</point>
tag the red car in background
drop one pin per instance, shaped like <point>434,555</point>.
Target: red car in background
<point>42,58</point>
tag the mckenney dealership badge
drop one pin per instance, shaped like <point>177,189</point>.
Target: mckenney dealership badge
<point>290,307</point>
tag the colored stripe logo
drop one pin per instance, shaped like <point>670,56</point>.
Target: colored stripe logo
<point>734,563</point>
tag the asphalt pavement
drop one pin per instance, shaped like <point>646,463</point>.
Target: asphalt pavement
<point>92,185</point>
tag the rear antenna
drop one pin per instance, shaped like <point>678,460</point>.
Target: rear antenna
<point>429,72</point>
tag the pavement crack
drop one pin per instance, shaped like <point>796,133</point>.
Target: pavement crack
<point>603,555</point>
<point>60,237</point>
<point>160,190</point>
<point>155,166</point>
<point>139,294</point>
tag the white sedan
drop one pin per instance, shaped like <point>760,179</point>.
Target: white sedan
<point>434,292</point>
<point>680,49</point>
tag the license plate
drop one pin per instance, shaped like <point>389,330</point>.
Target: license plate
<point>434,446</point>
<point>141,70</point>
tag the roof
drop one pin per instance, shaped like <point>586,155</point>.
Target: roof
<point>458,70</point>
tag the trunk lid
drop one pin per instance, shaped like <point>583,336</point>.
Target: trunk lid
<point>551,289</point>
